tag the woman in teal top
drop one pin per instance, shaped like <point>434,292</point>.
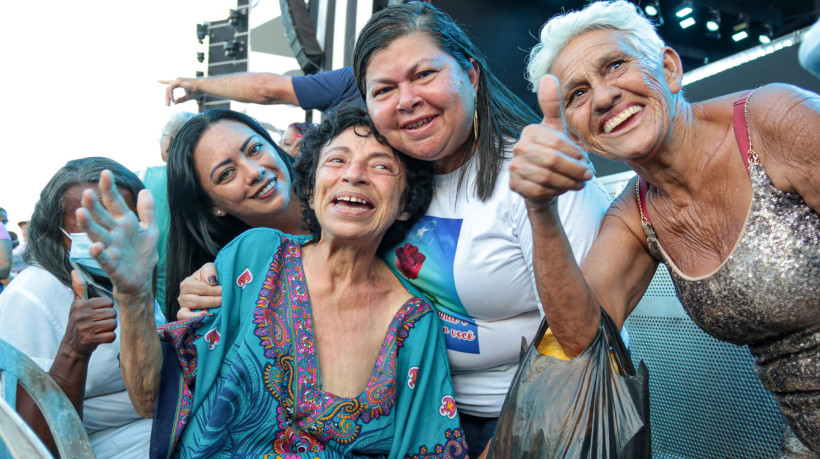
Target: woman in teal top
<point>356,367</point>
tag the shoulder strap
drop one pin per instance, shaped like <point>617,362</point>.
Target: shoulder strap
<point>641,188</point>
<point>741,127</point>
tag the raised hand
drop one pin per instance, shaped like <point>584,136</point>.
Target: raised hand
<point>546,162</point>
<point>91,322</point>
<point>124,246</point>
<point>184,83</point>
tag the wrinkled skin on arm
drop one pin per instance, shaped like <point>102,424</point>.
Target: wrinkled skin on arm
<point>125,247</point>
<point>617,269</point>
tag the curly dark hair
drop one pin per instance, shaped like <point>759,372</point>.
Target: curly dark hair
<point>418,181</point>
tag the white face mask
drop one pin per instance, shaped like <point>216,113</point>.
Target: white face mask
<point>80,242</point>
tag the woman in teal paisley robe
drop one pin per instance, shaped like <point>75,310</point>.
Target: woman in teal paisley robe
<point>254,364</point>
<point>279,372</point>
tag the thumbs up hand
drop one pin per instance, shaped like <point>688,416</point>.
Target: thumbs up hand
<point>546,162</point>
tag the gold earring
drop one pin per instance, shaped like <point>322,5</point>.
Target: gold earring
<point>475,123</point>
<point>475,116</point>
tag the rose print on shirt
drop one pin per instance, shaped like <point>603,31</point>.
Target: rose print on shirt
<point>409,260</point>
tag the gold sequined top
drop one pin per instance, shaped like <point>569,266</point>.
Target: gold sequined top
<point>766,294</point>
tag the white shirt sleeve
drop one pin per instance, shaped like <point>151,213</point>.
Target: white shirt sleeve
<point>27,323</point>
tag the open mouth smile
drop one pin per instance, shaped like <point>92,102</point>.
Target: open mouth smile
<point>418,123</point>
<point>610,125</point>
<point>347,201</point>
<point>266,190</point>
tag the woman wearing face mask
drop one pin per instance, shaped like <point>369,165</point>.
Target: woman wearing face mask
<point>225,175</point>
<point>46,313</point>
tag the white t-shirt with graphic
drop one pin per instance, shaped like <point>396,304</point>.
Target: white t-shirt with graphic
<point>473,259</point>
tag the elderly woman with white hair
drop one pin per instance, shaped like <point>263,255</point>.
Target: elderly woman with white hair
<point>727,195</point>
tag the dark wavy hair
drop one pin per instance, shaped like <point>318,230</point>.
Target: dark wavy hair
<point>501,114</point>
<point>418,181</point>
<point>196,235</point>
<point>46,246</point>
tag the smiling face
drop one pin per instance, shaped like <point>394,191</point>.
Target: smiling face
<point>423,102</point>
<point>358,189</point>
<point>616,103</point>
<point>242,174</point>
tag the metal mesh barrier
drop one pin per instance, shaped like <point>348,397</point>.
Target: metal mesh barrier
<point>705,399</point>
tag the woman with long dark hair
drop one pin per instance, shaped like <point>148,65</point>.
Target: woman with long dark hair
<point>433,97</point>
<point>225,175</point>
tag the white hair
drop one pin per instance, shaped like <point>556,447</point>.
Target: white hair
<point>619,15</point>
<point>175,123</point>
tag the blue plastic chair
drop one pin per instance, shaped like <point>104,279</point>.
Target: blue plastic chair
<point>65,425</point>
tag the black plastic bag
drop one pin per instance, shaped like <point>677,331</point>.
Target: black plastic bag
<point>588,407</point>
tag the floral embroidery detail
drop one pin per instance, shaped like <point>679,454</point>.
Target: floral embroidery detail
<point>182,335</point>
<point>454,447</point>
<point>412,376</point>
<point>212,338</point>
<point>409,260</point>
<point>288,456</point>
<point>244,279</point>
<point>307,417</point>
<point>448,407</point>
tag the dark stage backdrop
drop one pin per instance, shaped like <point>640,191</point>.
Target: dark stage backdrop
<point>507,30</point>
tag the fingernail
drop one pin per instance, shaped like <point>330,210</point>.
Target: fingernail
<point>588,174</point>
<point>212,279</point>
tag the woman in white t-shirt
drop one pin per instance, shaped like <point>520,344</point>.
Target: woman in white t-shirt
<point>433,97</point>
<point>46,313</point>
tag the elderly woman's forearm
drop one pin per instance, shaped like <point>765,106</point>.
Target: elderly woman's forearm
<point>140,352</point>
<point>569,305</point>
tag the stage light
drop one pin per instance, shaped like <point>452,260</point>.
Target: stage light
<point>766,34</point>
<point>713,20</point>
<point>234,48</point>
<point>741,28</point>
<point>201,31</point>
<point>200,57</point>
<point>652,8</point>
<point>688,22</point>
<point>685,9</point>
<point>237,18</point>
